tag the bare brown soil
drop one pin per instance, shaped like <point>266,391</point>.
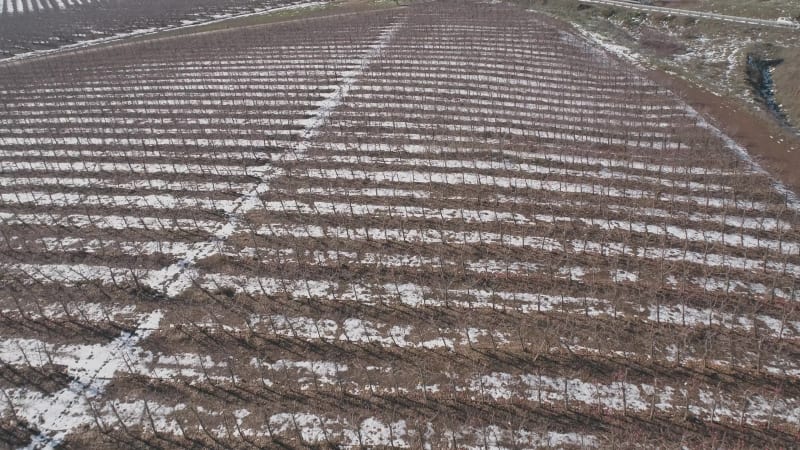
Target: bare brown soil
<point>774,147</point>
<point>54,27</point>
<point>488,233</point>
<point>787,83</point>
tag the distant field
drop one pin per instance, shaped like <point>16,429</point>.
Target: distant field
<point>453,225</point>
<point>762,9</point>
<point>18,7</point>
<point>712,55</point>
<point>27,25</point>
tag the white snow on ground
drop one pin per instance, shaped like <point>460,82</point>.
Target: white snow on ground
<point>139,412</point>
<point>472,216</point>
<point>544,107</point>
<point>621,395</point>
<point>373,432</point>
<point>150,105</point>
<point>147,31</point>
<point>553,66</point>
<point>525,168</point>
<point>461,133</point>
<point>615,396</point>
<point>284,130</point>
<point>92,368</point>
<point>791,198</point>
<point>478,179</point>
<point>356,330</point>
<point>697,14</point>
<point>526,302</point>
<point>69,408</point>
<point>317,430</point>
<point>176,278</point>
<point>619,50</point>
<point>151,141</point>
<point>126,167</point>
<point>482,266</point>
<point>539,242</point>
<point>312,428</point>
<point>173,279</point>
<point>641,138</point>
<point>151,73</point>
<point>411,235</point>
<point>184,365</point>
<point>623,276</point>
<point>729,220</point>
<point>100,246</point>
<point>554,156</point>
<point>109,222</point>
<point>133,185</point>
<point>538,93</point>
<point>349,78</point>
<point>84,311</point>
<point>133,154</point>
<point>502,83</point>
<point>323,371</point>
<point>70,274</point>
<point>90,93</point>
<point>161,201</point>
<point>493,436</point>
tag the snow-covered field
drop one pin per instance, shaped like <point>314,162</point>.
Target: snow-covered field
<point>18,7</point>
<point>30,6</point>
<point>32,28</point>
<point>452,225</point>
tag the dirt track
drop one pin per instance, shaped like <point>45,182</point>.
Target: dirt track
<point>697,14</point>
<point>774,147</point>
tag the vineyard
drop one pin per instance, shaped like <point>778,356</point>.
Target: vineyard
<point>31,25</point>
<point>23,6</point>
<point>448,225</point>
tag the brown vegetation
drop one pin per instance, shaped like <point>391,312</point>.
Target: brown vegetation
<point>450,225</point>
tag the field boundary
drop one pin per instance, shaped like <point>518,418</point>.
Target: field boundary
<point>134,38</point>
<point>695,14</point>
<point>731,144</point>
